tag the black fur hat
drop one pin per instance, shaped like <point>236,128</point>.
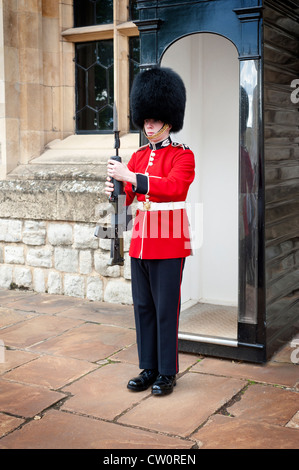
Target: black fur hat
<point>158,93</point>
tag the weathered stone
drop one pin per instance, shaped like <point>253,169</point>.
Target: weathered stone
<point>127,266</point>
<point>84,236</point>
<point>76,200</point>
<point>66,259</point>
<point>14,254</point>
<point>5,276</point>
<point>105,244</point>
<point>28,199</point>
<point>22,277</point>
<point>127,240</point>
<point>10,230</point>
<point>54,283</point>
<point>60,234</point>
<point>118,291</point>
<point>94,289</point>
<point>39,280</point>
<point>40,257</point>
<point>34,233</point>
<point>74,285</point>
<point>101,261</point>
<point>85,262</point>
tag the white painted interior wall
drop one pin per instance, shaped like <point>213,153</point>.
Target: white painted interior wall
<point>209,66</point>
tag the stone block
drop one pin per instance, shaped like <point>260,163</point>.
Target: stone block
<point>76,200</point>
<point>127,266</point>
<point>39,280</point>
<point>74,286</point>
<point>101,265</point>
<point>54,283</point>
<point>14,254</point>
<point>66,259</point>
<point>34,233</point>
<point>94,290</point>
<point>85,262</point>
<point>127,240</point>
<point>118,291</point>
<point>22,277</point>
<point>84,236</point>
<point>60,234</point>
<point>10,230</point>
<point>40,257</point>
<point>105,244</point>
<point>29,199</point>
<point>5,276</point>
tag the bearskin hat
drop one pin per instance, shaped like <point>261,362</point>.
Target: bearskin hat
<point>158,93</point>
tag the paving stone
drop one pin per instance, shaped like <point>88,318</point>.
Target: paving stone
<point>294,422</point>
<point>49,371</point>
<point>103,393</point>
<point>25,400</point>
<point>91,342</point>
<point>8,423</point>
<point>223,432</point>
<point>14,358</point>
<point>271,373</point>
<point>193,400</point>
<point>266,403</point>
<point>60,430</point>
<point>102,312</point>
<point>44,303</point>
<point>8,296</point>
<point>131,355</point>
<point>35,330</point>
<point>8,316</point>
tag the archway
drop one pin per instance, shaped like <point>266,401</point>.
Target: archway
<point>209,66</point>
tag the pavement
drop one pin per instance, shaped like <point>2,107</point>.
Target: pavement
<point>64,369</point>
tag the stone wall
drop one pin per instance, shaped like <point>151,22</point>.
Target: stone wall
<point>61,258</point>
<point>48,216</point>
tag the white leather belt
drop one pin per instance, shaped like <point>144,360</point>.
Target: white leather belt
<point>160,206</point>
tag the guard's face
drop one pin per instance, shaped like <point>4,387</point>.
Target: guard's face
<point>151,126</point>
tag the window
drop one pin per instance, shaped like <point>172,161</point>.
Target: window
<point>91,12</point>
<point>106,62</point>
<point>94,86</point>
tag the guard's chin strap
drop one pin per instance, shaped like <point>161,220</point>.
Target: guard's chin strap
<point>160,132</point>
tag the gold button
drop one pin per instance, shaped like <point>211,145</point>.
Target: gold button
<point>147,205</point>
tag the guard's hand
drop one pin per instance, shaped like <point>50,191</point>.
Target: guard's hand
<point>118,170</point>
<point>109,187</point>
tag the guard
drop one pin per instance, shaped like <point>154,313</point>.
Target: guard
<point>159,174</point>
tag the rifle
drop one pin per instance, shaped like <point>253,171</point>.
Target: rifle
<point>120,218</point>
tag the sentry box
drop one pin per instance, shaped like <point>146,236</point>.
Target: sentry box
<point>239,60</point>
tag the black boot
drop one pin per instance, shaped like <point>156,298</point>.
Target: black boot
<point>146,378</point>
<point>163,385</point>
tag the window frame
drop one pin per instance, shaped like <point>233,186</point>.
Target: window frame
<point>120,31</point>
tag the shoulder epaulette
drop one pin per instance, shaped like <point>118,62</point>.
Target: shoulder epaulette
<point>142,148</point>
<point>177,144</point>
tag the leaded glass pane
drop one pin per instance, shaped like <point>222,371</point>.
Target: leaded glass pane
<point>94,86</point>
<point>134,60</point>
<point>92,12</point>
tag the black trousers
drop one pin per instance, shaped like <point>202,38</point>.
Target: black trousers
<point>156,290</point>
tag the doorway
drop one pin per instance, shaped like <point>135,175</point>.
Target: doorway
<point>209,66</point>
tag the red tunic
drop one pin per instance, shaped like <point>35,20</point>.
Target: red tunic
<point>164,173</point>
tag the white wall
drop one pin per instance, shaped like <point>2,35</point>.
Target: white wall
<point>209,66</point>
